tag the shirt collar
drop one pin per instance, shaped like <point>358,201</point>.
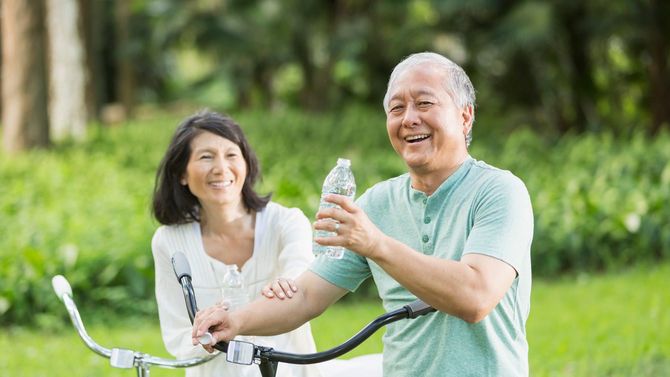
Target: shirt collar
<point>445,188</point>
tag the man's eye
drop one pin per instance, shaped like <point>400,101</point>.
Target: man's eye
<point>425,103</point>
<point>396,108</point>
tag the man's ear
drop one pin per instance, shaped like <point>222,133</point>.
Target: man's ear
<point>468,114</point>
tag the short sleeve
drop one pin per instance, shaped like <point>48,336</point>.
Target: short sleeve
<point>503,221</point>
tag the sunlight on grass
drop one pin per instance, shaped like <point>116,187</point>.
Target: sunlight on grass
<point>611,325</point>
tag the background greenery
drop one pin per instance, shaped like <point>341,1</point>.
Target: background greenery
<point>83,210</point>
<point>572,97</point>
<point>581,325</point>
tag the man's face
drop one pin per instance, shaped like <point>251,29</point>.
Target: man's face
<point>424,125</point>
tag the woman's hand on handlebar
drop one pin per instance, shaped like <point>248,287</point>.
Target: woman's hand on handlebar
<point>281,288</point>
<point>215,320</point>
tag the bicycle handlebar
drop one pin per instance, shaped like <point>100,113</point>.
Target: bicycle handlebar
<point>119,357</point>
<point>268,357</point>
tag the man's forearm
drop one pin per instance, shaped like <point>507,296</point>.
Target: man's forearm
<point>274,316</point>
<point>468,289</point>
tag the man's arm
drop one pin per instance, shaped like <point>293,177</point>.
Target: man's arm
<point>469,288</point>
<point>266,316</point>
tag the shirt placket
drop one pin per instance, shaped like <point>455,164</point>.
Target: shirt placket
<point>427,228</point>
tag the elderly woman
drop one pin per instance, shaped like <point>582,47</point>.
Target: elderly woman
<point>205,200</point>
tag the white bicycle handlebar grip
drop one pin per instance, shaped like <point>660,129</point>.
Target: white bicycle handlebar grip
<point>61,286</point>
<point>206,339</point>
<point>180,265</point>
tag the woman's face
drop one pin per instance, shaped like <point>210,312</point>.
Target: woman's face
<point>216,170</point>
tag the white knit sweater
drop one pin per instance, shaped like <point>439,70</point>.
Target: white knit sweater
<point>282,248</point>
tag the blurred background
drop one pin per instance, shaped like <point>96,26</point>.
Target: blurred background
<point>572,96</point>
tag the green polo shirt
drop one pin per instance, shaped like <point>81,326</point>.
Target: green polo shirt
<point>478,209</point>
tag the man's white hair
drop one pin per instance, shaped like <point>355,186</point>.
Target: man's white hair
<point>456,81</point>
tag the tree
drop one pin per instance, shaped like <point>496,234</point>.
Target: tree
<point>124,63</point>
<point>67,103</point>
<point>657,65</point>
<point>24,83</point>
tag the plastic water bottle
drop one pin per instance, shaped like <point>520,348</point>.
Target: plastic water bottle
<point>234,293</point>
<point>340,181</point>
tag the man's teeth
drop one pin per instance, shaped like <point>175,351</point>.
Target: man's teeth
<point>416,137</point>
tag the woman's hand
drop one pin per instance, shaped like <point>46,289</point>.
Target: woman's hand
<point>280,288</point>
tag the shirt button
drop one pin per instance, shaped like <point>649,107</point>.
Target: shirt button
<point>426,220</point>
<point>425,201</point>
<point>425,238</point>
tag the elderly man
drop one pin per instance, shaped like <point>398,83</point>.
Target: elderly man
<point>453,231</point>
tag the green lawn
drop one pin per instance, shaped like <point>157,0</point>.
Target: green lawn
<point>610,325</point>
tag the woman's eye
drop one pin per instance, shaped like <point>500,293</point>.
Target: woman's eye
<point>205,156</point>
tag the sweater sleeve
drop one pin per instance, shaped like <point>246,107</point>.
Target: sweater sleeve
<point>294,243</point>
<point>174,322</point>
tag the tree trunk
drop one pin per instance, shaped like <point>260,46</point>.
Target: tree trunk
<point>126,78</point>
<point>582,86</point>
<point>92,22</point>
<point>24,84</point>
<point>67,103</point>
<point>659,74</point>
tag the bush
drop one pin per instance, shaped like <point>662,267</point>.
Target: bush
<point>83,210</point>
<point>599,202</point>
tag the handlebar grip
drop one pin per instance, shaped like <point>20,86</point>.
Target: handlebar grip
<point>418,308</point>
<point>180,265</point>
<point>61,286</point>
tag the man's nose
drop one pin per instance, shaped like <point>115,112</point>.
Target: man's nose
<point>410,117</point>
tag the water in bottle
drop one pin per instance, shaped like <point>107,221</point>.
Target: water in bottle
<point>340,181</point>
<point>234,292</point>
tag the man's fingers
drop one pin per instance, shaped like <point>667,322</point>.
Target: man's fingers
<point>327,224</point>
<point>342,201</point>
<point>333,213</point>
<point>330,241</point>
<point>201,314</point>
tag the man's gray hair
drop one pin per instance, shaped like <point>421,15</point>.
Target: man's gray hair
<point>456,81</point>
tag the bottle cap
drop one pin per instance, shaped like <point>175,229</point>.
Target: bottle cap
<point>344,161</point>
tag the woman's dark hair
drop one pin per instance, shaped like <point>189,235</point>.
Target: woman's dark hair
<point>173,203</point>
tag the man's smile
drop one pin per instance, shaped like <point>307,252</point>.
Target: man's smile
<point>416,138</point>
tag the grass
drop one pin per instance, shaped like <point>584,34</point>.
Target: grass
<point>611,325</point>
<point>588,325</point>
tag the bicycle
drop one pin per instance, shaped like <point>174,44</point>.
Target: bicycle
<point>118,357</point>
<point>267,358</point>
<point>238,352</point>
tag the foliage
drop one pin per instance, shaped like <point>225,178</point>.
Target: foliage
<point>584,66</point>
<point>580,325</point>
<point>599,201</point>
<point>83,210</point>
